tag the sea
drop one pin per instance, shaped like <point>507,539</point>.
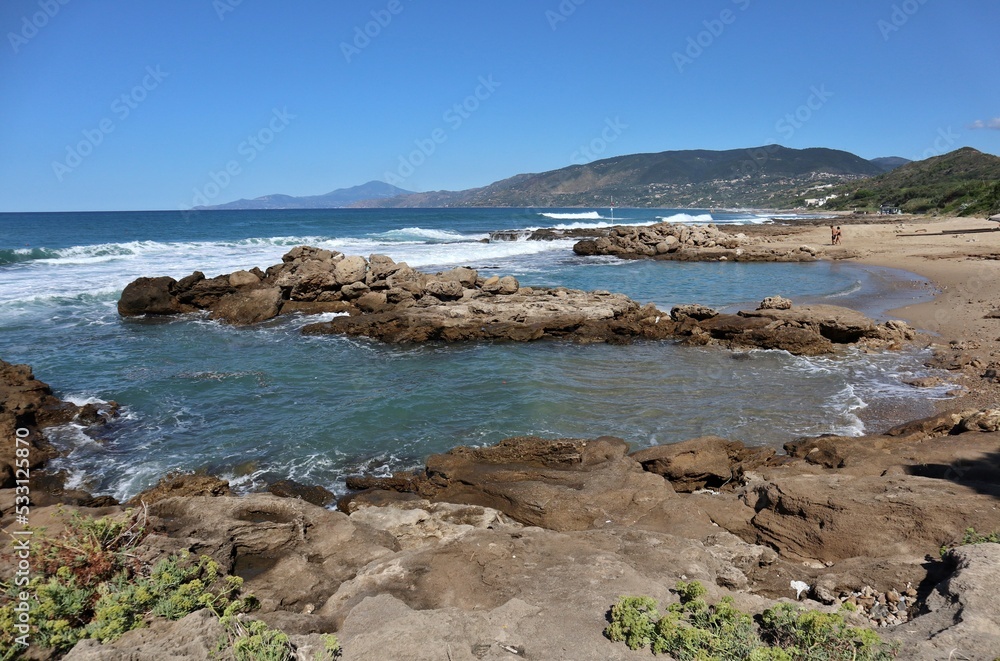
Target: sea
<point>261,404</point>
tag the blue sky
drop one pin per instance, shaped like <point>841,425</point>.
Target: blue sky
<point>115,104</point>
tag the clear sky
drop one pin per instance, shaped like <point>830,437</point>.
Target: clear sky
<point>118,104</point>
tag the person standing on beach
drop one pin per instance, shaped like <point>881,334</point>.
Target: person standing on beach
<point>833,235</point>
<point>836,236</point>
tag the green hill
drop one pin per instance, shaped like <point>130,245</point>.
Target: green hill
<point>761,177</point>
<point>965,182</point>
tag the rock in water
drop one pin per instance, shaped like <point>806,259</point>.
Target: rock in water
<point>149,296</point>
<point>248,307</point>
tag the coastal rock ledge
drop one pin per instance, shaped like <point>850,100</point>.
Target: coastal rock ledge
<point>391,302</point>
<point>517,550</point>
<point>678,242</point>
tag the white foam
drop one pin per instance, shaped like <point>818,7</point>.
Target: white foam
<point>688,219</point>
<point>83,400</point>
<point>584,215</point>
<point>420,234</point>
<point>103,270</point>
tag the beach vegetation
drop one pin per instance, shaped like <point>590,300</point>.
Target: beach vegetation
<point>970,536</point>
<point>694,630</point>
<point>89,582</point>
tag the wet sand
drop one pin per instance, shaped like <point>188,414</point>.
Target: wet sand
<point>959,256</point>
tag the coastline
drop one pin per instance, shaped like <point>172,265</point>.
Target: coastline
<point>960,266</point>
<point>393,568</point>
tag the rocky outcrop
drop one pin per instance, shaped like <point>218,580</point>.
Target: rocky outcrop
<point>393,303</point>
<point>558,485</point>
<point>27,406</point>
<point>810,504</point>
<point>519,549</point>
<point>501,310</point>
<point>182,485</point>
<point>671,241</point>
<point>961,612</point>
<point>708,462</point>
<point>802,330</point>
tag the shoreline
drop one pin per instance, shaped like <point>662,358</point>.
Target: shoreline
<point>948,308</point>
<point>961,269</point>
<point>486,541</point>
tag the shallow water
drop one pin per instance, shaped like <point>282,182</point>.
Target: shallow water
<point>266,403</point>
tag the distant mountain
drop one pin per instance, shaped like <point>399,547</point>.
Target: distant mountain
<point>965,182</point>
<point>890,163</point>
<point>342,197</point>
<point>761,176</point>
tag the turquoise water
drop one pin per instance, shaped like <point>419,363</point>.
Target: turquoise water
<point>265,403</point>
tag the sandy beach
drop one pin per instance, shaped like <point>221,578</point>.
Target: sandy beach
<point>958,255</point>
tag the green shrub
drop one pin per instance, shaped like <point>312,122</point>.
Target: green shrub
<point>973,537</point>
<point>633,620</point>
<point>89,584</point>
<point>693,630</point>
<point>253,640</point>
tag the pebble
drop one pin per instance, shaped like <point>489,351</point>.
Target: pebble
<point>883,609</point>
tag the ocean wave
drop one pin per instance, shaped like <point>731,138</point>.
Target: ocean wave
<point>19,255</point>
<point>101,252</point>
<point>688,219</point>
<point>420,234</point>
<point>583,215</point>
<point>851,289</point>
<point>592,226</point>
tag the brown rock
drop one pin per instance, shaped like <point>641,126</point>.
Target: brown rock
<point>380,267</point>
<point>350,270</point>
<point>248,306</point>
<point>775,303</point>
<point>703,462</point>
<point>292,554</point>
<point>837,324</point>
<point>960,612</point>
<point>464,276</point>
<point>491,285</point>
<point>186,485</point>
<point>355,290</point>
<point>149,296</point>
<point>559,485</point>
<point>445,290</point>
<point>981,421</point>
<point>243,279</point>
<point>694,311</point>
<point>26,406</point>
<point>508,285</point>
<point>316,495</point>
<point>373,301</point>
<point>821,517</point>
